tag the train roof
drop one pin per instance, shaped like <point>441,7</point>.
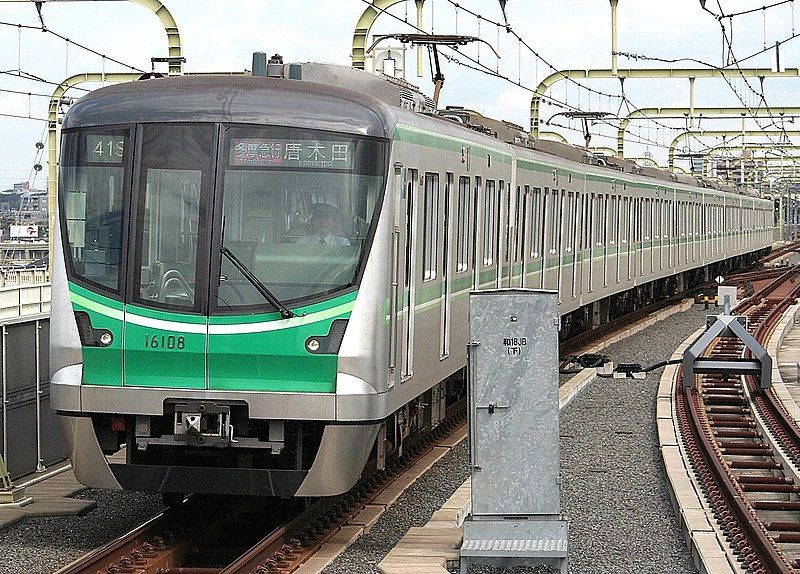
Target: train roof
<point>234,99</point>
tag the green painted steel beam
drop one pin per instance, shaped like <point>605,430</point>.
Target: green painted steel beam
<point>642,73</point>
<point>691,113</point>
<point>721,133</point>
<point>363,26</point>
<point>52,137</point>
<point>555,136</point>
<point>173,37</point>
<point>175,69</point>
<point>756,146</point>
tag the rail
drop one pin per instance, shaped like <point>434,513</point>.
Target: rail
<point>284,534</point>
<point>718,421</point>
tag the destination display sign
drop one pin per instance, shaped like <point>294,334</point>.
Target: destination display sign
<point>283,153</point>
<point>104,148</point>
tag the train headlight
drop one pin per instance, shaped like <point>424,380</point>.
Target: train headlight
<point>312,345</point>
<point>106,338</point>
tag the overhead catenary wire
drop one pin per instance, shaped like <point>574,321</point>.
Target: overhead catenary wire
<point>538,56</point>
<point>28,76</point>
<point>759,94</point>
<point>622,96</point>
<point>762,8</point>
<point>478,66</point>
<point>68,41</point>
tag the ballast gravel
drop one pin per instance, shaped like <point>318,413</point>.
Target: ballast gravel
<point>43,545</point>
<point>614,490</point>
<point>613,487</point>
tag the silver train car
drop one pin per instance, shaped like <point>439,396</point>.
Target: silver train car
<point>261,284</point>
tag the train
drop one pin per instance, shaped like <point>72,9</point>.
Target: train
<point>261,283</point>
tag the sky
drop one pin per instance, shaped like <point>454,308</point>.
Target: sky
<point>220,36</point>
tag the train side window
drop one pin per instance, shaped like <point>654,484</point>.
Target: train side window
<point>462,224</point>
<point>430,225</point>
<point>95,182</point>
<point>171,226</point>
<point>490,224</point>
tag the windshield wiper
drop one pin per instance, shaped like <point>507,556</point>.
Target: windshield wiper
<point>260,287</point>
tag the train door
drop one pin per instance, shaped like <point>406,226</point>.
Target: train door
<point>407,274</point>
<point>671,229</point>
<point>663,229</point>
<point>477,218</point>
<point>166,327</point>
<point>618,236</point>
<point>504,238</point>
<point>490,234</point>
<point>651,232</point>
<point>513,210</point>
<point>607,241</point>
<point>553,252</point>
<point>593,201</point>
<point>584,252</point>
<point>625,224</point>
<point>447,282</point>
<point>568,251</point>
<point>544,230</point>
<point>578,234</point>
<point>522,250</point>
<point>638,246</point>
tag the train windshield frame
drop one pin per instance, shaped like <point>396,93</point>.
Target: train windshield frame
<point>298,207</point>
<point>94,184</point>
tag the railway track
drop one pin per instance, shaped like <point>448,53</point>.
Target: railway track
<point>744,447</point>
<point>194,537</point>
<point>217,536</point>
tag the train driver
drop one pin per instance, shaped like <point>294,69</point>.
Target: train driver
<point>323,221</point>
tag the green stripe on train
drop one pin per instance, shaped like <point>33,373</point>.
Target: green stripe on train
<point>165,349</point>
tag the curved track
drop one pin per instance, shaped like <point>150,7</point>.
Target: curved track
<point>745,448</point>
<point>249,535</point>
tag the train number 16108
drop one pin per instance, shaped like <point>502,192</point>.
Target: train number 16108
<point>164,342</point>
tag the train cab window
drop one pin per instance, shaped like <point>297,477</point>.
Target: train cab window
<point>430,225</point>
<point>463,218</point>
<point>489,223</point>
<point>176,178</point>
<point>298,209</point>
<point>94,171</point>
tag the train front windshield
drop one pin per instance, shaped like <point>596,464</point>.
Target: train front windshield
<point>225,213</point>
<point>296,211</point>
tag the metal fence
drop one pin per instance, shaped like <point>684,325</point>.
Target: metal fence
<point>28,428</point>
<point>25,299</point>
<point>13,277</point>
<point>31,439</point>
